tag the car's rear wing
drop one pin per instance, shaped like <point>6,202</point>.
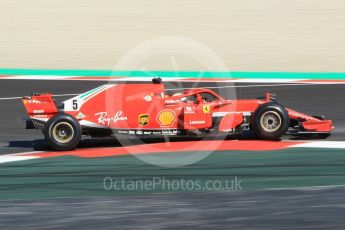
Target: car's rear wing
<point>40,105</point>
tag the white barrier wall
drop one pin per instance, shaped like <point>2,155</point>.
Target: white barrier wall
<point>248,35</point>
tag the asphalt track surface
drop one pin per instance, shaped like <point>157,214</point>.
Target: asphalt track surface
<point>277,209</point>
<point>280,209</point>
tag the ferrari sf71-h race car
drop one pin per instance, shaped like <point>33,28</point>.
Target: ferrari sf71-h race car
<point>147,110</point>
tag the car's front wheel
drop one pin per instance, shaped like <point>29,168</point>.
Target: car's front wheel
<point>62,132</point>
<point>270,121</point>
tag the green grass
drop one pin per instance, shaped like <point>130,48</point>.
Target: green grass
<point>71,176</point>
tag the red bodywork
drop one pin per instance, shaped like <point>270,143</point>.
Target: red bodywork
<point>145,108</point>
<point>311,124</point>
<point>40,106</point>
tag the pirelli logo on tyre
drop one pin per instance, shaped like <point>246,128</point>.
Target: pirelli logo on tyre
<point>143,119</point>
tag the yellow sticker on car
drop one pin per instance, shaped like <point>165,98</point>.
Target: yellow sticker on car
<point>206,108</point>
<point>166,118</point>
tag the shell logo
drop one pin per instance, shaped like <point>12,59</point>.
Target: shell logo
<point>166,118</point>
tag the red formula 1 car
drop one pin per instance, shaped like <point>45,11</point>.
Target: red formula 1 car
<point>146,110</point>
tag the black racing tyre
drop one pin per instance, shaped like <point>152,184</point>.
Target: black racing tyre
<point>270,121</point>
<point>62,132</point>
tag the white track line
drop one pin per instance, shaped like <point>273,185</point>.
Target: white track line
<point>38,77</point>
<point>321,144</point>
<point>18,157</point>
<point>6,158</point>
<point>266,85</point>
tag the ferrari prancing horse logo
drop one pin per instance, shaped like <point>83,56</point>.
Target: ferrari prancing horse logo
<point>206,108</point>
<point>143,119</point>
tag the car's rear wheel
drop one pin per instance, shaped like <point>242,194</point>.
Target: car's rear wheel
<point>270,121</point>
<point>62,132</point>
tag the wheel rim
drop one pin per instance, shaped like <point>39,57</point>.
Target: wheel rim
<point>63,132</point>
<point>270,121</point>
